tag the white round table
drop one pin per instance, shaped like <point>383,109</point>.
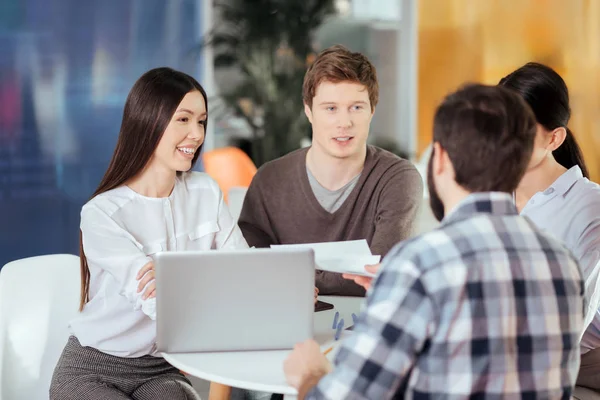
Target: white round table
<point>263,370</point>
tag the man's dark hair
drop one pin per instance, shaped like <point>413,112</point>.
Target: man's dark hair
<point>488,133</point>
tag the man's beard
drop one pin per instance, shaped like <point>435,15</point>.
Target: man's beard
<point>437,207</point>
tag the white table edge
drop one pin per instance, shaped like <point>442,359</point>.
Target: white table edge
<point>285,390</point>
<point>288,391</point>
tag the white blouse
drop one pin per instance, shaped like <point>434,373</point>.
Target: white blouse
<point>570,211</point>
<point>122,230</point>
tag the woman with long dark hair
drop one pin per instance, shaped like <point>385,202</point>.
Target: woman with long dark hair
<point>558,197</point>
<point>147,202</point>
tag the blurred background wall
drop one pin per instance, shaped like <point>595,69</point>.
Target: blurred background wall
<point>66,67</point>
<point>482,41</point>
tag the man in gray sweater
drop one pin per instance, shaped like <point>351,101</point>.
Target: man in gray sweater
<point>340,188</point>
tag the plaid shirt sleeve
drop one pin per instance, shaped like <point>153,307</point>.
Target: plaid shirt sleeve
<point>375,361</point>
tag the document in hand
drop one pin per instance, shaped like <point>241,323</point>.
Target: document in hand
<point>343,257</point>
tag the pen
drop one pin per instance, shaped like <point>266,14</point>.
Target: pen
<point>338,331</point>
<point>335,320</point>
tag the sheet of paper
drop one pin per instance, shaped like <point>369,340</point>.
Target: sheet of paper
<point>342,257</point>
<point>347,264</point>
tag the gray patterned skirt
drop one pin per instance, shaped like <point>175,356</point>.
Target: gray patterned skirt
<point>84,373</point>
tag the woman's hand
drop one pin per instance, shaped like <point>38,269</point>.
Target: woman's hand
<point>147,279</point>
<point>316,294</point>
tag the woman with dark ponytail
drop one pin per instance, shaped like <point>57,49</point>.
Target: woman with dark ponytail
<point>547,95</point>
<point>558,197</point>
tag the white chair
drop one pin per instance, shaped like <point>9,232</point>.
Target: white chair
<point>235,200</point>
<point>38,296</point>
<point>425,221</point>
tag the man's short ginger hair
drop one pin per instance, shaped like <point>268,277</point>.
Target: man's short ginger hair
<point>338,64</point>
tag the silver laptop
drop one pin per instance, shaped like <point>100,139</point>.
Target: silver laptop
<point>256,299</point>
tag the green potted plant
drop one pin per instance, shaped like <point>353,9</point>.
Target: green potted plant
<point>269,45</point>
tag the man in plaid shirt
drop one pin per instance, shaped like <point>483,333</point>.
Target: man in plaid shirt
<point>486,306</point>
